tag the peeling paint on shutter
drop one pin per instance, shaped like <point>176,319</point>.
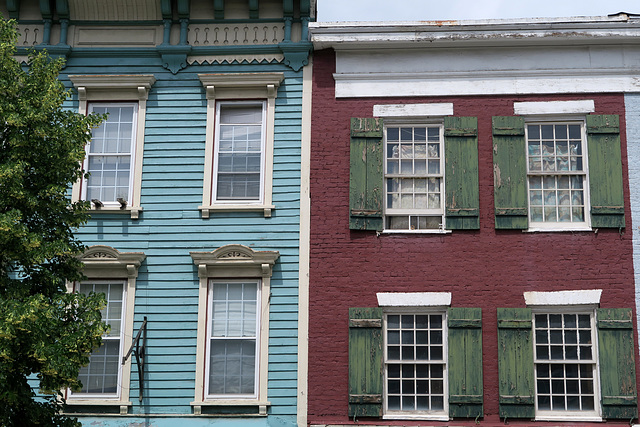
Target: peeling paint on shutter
<point>366,174</point>
<point>515,363</point>
<point>465,362</point>
<point>617,363</point>
<point>605,171</point>
<point>461,173</point>
<point>509,173</point>
<point>365,362</point>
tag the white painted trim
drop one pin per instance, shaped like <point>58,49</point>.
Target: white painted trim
<point>105,262</point>
<point>230,262</point>
<point>563,298</point>
<point>480,83</point>
<point>305,232</point>
<point>240,86</point>
<point>414,299</point>
<point>119,88</point>
<point>413,110</point>
<point>554,107</point>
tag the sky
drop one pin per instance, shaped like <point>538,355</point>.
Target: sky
<point>429,10</point>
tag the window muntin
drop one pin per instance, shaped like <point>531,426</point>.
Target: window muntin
<point>110,154</point>
<point>232,368</point>
<point>557,174</point>
<point>101,377</point>
<point>565,364</point>
<point>414,180</point>
<point>239,148</point>
<point>415,364</point>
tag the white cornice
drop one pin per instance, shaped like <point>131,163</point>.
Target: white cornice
<point>366,35</point>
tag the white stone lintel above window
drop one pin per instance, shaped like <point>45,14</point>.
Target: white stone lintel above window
<point>414,299</point>
<point>554,107</point>
<point>413,110</point>
<point>563,298</point>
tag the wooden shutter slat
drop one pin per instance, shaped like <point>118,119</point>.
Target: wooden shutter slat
<point>365,362</point>
<point>515,363</point>
<point>461,173</point>
<point>605,171</point>
<point>465,362</point>
<point>617,363</point>
<point>509,173</point>
<point>366,174</point>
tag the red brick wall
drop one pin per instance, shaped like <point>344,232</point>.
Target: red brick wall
<point>482,268</point>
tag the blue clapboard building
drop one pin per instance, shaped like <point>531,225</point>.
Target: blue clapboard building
<point>197,194</point>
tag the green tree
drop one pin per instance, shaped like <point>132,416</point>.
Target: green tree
<point>45,332</point>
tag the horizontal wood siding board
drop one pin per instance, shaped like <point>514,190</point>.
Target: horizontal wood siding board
<point>170,226</point>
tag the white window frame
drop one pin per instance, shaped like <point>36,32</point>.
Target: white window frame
<point>558,112</point>
<point>131,88</point>
<point>106,263</point>
<point>233,262</point>
<point>239,87</point>
<point>211,339</point>
<point>551,415</point>
<point>131,153</point>
<point>415,115</point>
<point>569,302</point>
<point>219,106</point>
<point>120,339</point>
<point>441,415</point>
<point>416,303</point>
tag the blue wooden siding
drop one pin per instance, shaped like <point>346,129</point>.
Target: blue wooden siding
<point>171,226</point>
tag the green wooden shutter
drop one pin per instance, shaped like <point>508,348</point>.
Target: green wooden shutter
<point>515,363</point>
<point>461,173</point>
<point>365,362</point>
<point>367,174</point>
<point>509,173</point>
<point>465,362</point>
<point>617,363</point>
<point>605,171</point>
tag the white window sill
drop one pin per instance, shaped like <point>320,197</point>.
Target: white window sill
<point>266,209</point>
<point>133,211</point>
<point>416,232</point>
<point>555,229</point>
<point>568,418</point>
<point>424,417</point>
<point>261,404</point>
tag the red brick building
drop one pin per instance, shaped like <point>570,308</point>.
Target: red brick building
<point>471,260</point>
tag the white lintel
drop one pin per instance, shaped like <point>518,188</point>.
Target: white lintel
<point>414,299</point>
<point>414,110</point>
<point>554,107</point>
<point>564,298</point>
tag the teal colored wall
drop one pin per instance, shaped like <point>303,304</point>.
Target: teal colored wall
<point>171,226</point>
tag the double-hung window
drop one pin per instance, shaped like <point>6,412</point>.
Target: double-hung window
<point>414,177</point>
<point>114,155</point>
<point>101,377</point>
<point>106,380</point>
<point>413,357</point>
<point>233,330</point>
<point>565,363</point>
<point>239,152</point>
<point>415,364</point>
<point>557,174</point>
<point>239,146</point>
<point>111,154</point>
<point>562,358</point>
<point>557,166</point>
<point>414,169</point>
